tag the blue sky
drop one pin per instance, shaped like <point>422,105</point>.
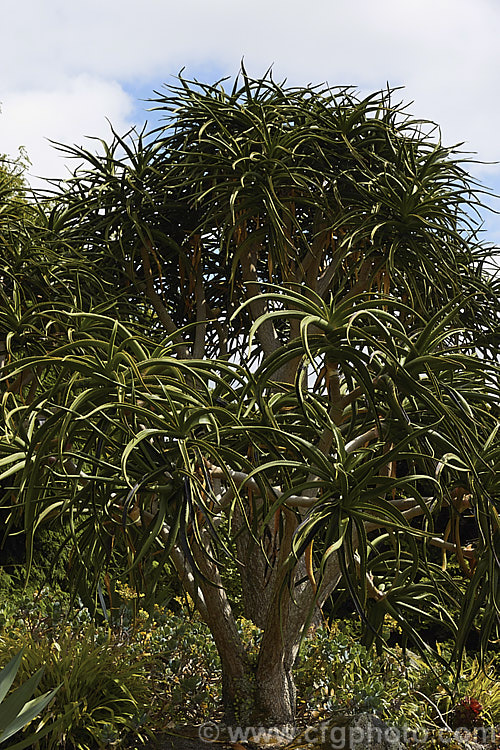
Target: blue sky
<point>67,66</point>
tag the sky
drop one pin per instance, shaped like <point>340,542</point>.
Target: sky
<point>68,68</point>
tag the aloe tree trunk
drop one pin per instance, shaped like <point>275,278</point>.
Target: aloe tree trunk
<point>261,691</point>
<point>266,697</point>
<point>261,694</point>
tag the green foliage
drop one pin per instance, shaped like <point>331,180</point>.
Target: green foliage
<point>143,672</point>
<point>157,669</point>
<point>13,186</point>
<point>184,663</point>
<point>103,693</point>
<point>18,708</point>
<point>483,685</point>
<point>473,682</point>
<point>30,608</point>
<point>336,674</point>
<point>51,560</point>
<point>186,670</point>
<point>147,586</point>
<point>5,581</point>
<point>264,333</point>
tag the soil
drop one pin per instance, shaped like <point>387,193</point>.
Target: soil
<point>184,738</point>
<point>188,738</point>
<point>177,741</point>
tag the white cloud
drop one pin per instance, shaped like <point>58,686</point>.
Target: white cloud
<point>65,66</point>
<point>75,108</point>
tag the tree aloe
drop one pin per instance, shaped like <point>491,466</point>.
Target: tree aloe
<point>264,333</point>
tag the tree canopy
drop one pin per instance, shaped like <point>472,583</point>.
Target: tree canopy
<point>264,334</point>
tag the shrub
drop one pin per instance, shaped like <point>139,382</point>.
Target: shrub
<point>335,673</point>
<point>459,699</point>
<point>149,670</point>
<point>185,666</point>
<point>104,693</point>
<point>483,687</point>
<point>140,671</point>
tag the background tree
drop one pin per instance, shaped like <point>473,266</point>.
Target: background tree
<point>263,334</point>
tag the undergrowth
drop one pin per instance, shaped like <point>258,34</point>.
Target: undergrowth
<point>138,673</point>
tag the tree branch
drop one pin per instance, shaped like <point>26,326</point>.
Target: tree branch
<point>182,567</point>
<point>266,332</point>
<point>359,441</point>
<point>327,276</point>
<point>201,310</point>
<point>158,305</point>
